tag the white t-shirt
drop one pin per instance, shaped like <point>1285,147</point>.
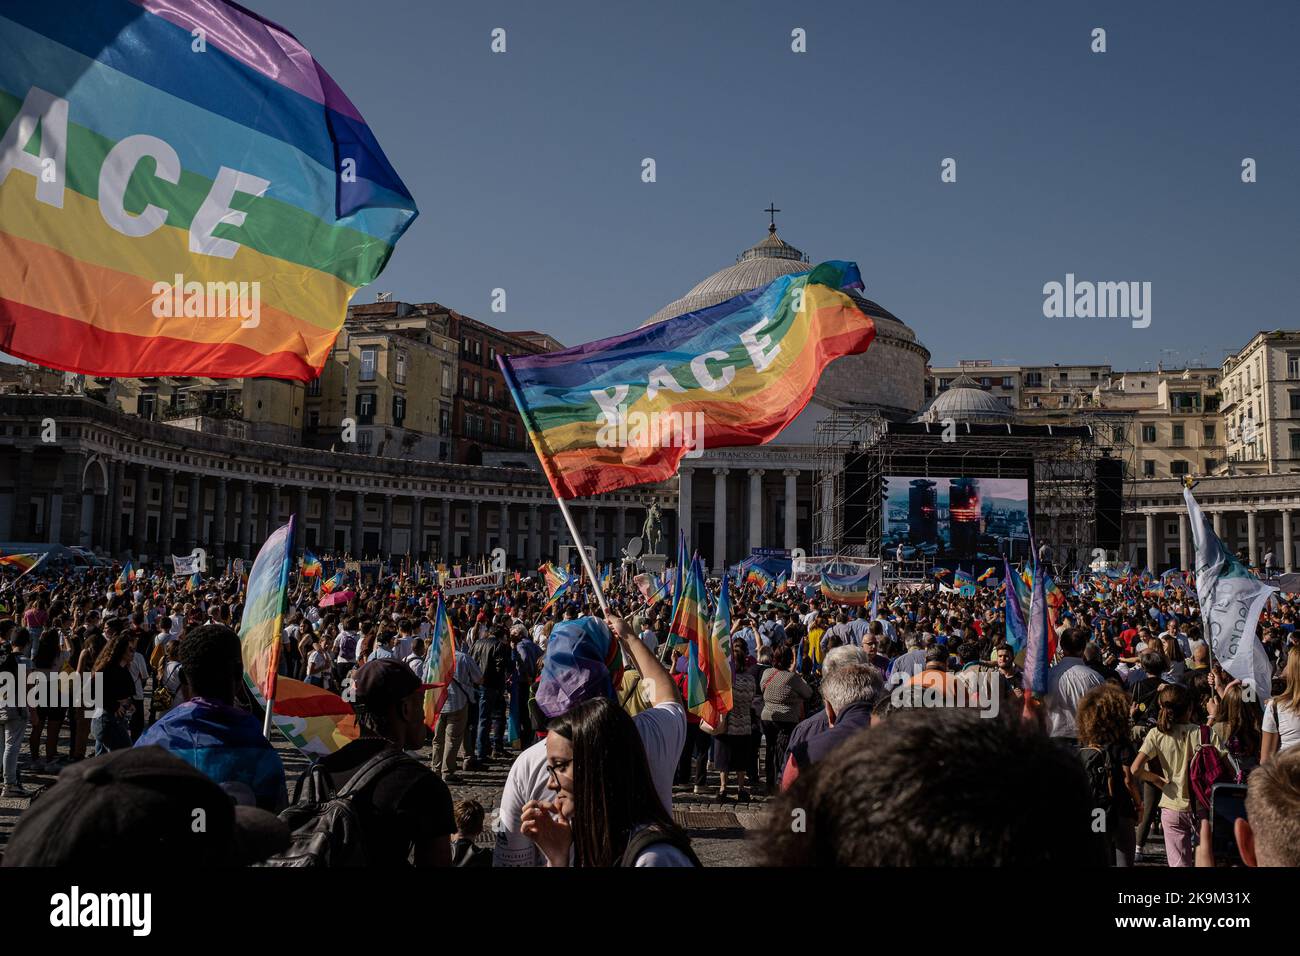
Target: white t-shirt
<point>402,647</point>
<point>1283,721</point>
<point>139,669</point>
<point>663,734</point>
<point>650,639</point>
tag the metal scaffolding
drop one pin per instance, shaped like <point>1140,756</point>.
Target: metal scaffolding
<point>867,447</point>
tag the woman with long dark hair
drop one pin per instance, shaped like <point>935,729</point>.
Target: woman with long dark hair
<point>606,811</point>
<point>50,717</point>
<point>111,726</point>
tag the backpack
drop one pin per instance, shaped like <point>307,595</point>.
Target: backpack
<point>1209,767</point>
<point>1101,781</point>
<point>326,828</point>
<point>647,836</point>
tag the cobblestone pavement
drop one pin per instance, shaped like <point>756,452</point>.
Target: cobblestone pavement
<point>722,835</point>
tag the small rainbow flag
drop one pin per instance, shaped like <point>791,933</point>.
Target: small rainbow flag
<point>193,582</point>
<point>439,666</point>
<point>266,594</point>
<point>614,413</point>
<point>182,211</point>
<point>652,589</point>
<point>311,566</point>
<point>23,562</point>
<point>941,573</point>
<point>556,582</point>
<point>708,666</point>
<point>334,583</point>
<point>759,578</point>
<point>988,573</point>
<point>691,620</point>
<point>125,578</point>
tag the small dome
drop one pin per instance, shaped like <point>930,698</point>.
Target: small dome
<point>965,400</point>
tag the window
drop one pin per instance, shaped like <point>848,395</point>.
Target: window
<point>1295,443</point>
<point>1033,379</point>
<point>368,358</point>
<point>1149,434</point>
<point>1064,376</point>
<point>1179,433</point>
<point>313,388</point>
<point>1177,468</point>
<point>1185,402</point>
<point>365,442</point>
<point>476,385</point>
<point>986,382</point>
<point>1117,433</point>
<point>313,419</point>
<point>366,407</point>
<point>478,351</point>
<point>464,384</point>
<point>492,392</point>
<point>1295,402</point>
<point>1293,364</point>
<point>1006,381</point>
<point>446,380</point>
<point>492,356</point>
<point>1148,469</point>
<point>496,433</point>
<point>444,422</point>
<point>399,369</point>
<point>148,404</point>
<point>944,383</point>
<point>1211,464</point>
<point>399,409</point>
<point>510,431</point>
<point>1209,430</point>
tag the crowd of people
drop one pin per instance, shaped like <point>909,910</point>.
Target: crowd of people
<point>907,738</point>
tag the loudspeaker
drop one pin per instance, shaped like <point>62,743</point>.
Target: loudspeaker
<point>1109,502</point>
<point>860,496</point>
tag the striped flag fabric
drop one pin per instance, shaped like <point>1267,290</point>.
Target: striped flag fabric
<point>124,579</point>
<point>23,562</point>
<point>315,720</point>
<point>311,566</point>
<point>439,666</point>
<point>653,590</point>
<point>852,589</point>
<point>264,605</point>
<point>184,190</point>
<point>1037,655</point>
<point>624,411</point>
<point>1016,633</point>
<point>690,623</point>
<point>334,583</point>
<point>557,583</point>
<point>708,669</point>
<point>193,582</point>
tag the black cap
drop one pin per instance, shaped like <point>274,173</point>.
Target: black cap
<point>135,806</point>
<point>384,682</point>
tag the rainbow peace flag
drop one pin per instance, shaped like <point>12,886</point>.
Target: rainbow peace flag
<point>708,665</point>
<point>691,620</point>
<point>439,666</point>
<point>941,573</point>
<point>123,579</point>
<point>334,583</point>
<point>782,582</point>
<point>624,411</point>
<point>653,590</point>
<point>193,582</point>
<point>313,719</point>
<point>964,583</point>
<point>195,195</point>
<point>264,602</point>
<point>759,578</point>
<point>1016,627</point>
<point>847,588</point>
<point>556,582</point>
<point>23,562</point>
<point>988,573</point>
<point>679,570</point>
<point>311,566</point>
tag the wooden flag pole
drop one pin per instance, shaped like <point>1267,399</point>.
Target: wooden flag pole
<point>582,553</point>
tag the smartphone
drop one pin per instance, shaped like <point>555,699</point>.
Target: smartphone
<point>1227,805</point>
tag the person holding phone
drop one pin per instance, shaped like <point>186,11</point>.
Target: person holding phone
<point>111,725</point>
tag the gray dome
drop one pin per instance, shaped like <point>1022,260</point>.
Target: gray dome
<point>889,376</point>
<point>965,400</point>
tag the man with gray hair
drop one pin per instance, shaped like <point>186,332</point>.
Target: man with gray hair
<point>836,657</point>
<point>912,662</point>
<point>849,693</point>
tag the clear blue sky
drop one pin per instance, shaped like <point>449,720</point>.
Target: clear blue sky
<point>1115,166</point>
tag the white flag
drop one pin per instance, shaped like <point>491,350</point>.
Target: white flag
<point>185,565</point>
<point>1231,600</point>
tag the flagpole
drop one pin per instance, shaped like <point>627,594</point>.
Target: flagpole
<point>582,553</point>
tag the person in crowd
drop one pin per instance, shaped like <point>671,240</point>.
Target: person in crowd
<point>492,654</point>
<point>1269,833</point>
<point>469,824</point>
<point>15,643</point>
<point>1106,751</point>
<point>48,718</point>
<point>209,732</point>
<point>785,695</point>
<point>1067,683</point>
<point>875,801</point>
<point>849,694</point>
<point>733,746</point>
<point>406,810</point>
<point>604,810</point>
<point>449,733</point>
<point>111,725</point>
<point>1281,727</point>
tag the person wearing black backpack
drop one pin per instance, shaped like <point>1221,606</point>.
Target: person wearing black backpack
<point>1106,750</point>
<point>402,810</point>
<point>605,811</point>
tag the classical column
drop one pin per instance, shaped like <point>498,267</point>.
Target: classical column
<point>273,511</point>
<point>720,519</point>
<point>534,536</point>
<point>1252,537</point>
<point>685,479</point>
<point>141,523</point>
<point>245,535</point>
<point>416,548</point>
<point>302,522</point>
<point>358,523</point>
<point>444,529</point>
<point>194,510</point>
<point>328,518</point>
<point>503,526</point>
<point>21,527</point>
<point>219,518</point>
<point>755,508</point>
<point>1217,517</point>
<point>167,519</point>
<point>386,531</point>
<point>620,528</point>
<point>791,476</point>
<point>1152,562</point>
<point>1182,541</point>
<point>1288,562</point>
<point>115,509</point>
<point>473,530</point>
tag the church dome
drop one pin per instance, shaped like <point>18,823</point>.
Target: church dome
<point>965,400</point>
<point>889,377</point>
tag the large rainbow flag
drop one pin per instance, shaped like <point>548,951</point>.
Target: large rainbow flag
<point>264,602</point>
<point>622,411</point>
<point>556,582</point>
<point>690,623</point>
<point>184,190</point>
<point>23,562</point>
<point>313,719</point>
<point>847,588</point>
<point>439,665</point>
